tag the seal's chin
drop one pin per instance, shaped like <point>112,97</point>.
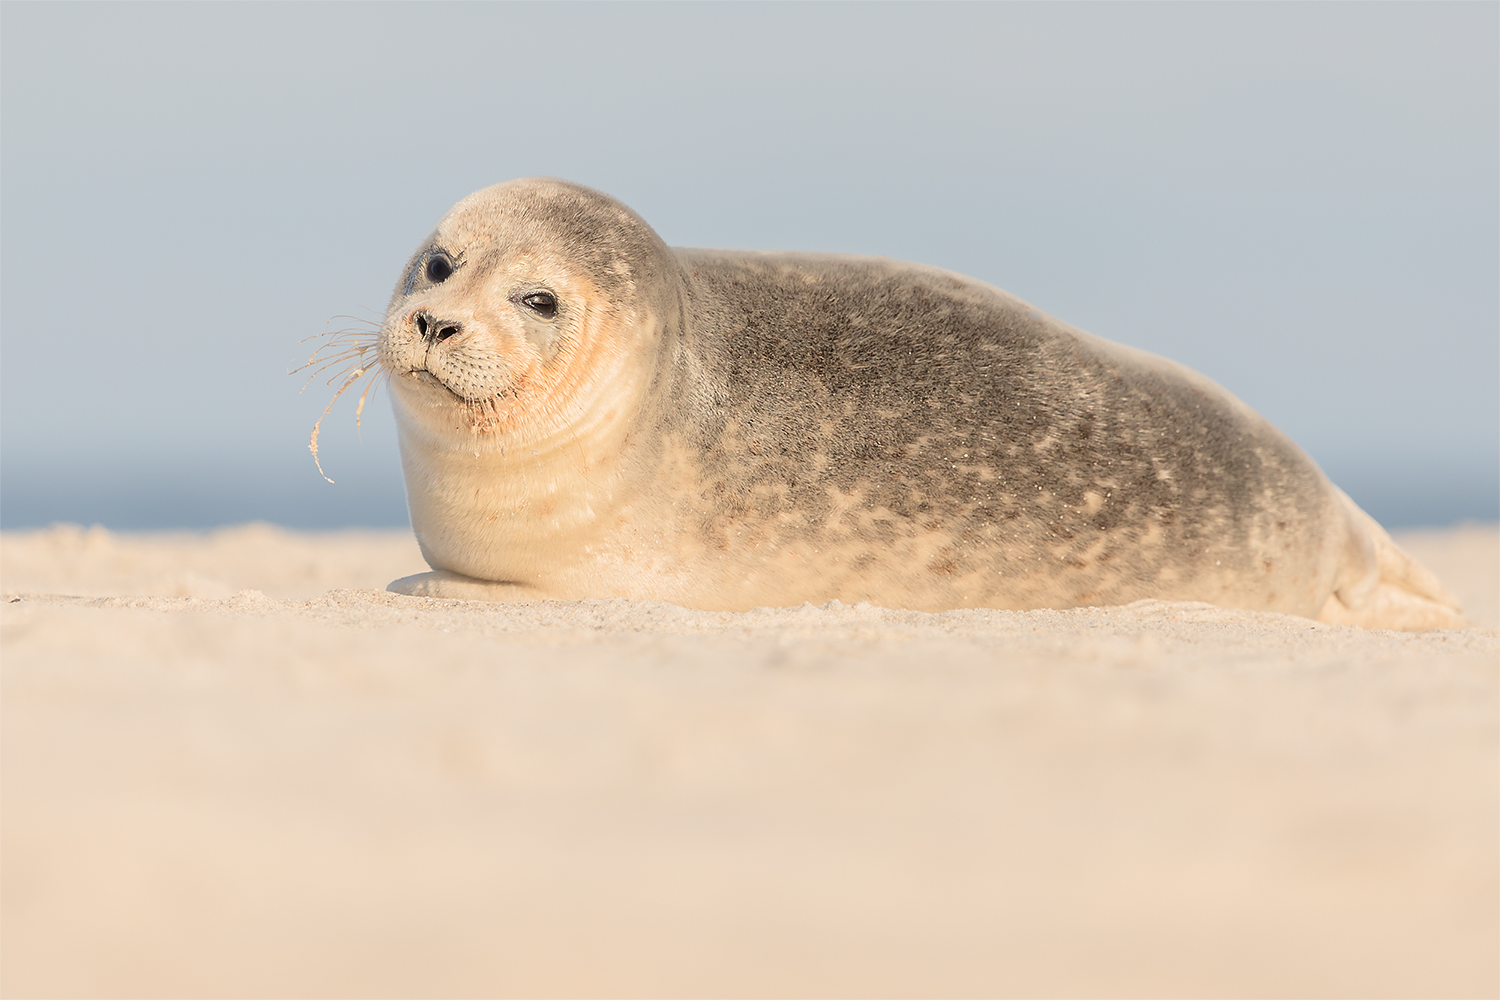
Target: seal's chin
<point>423,377</point>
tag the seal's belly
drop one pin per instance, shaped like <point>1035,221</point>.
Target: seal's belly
<point>685,542</point>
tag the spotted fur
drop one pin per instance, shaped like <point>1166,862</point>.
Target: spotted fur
<point>728,429</point>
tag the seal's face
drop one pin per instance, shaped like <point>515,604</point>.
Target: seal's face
<point>515,313</point>
<point>482,334</point>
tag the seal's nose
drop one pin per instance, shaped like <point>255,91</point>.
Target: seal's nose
<point>434,330</point>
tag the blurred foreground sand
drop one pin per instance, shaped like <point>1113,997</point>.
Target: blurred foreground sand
<point>233,766</point>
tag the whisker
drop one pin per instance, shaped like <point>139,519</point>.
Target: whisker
<point>359,407</point>
<point>350,354</point>
<point>333,349</point>
<point>312,443</point>
<point>349,359</point>
<point>370,329</point>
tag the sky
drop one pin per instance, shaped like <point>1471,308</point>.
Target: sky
<point>1298,200</point>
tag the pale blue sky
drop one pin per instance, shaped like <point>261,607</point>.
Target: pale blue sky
<point>1298,200</point>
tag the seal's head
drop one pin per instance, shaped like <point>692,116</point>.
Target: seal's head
<point>530,303</point>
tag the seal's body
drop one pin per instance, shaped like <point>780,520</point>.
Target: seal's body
<point>585,412</point>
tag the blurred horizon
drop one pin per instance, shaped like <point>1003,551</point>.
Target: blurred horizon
<point>1298,201</point>
<point>172,497</point>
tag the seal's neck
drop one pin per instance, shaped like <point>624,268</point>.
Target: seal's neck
<point>499,498</point>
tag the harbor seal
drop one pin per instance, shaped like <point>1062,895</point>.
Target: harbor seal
<point>584,412</point>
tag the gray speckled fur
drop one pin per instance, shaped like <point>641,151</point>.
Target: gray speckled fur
<point>808,427</point>
<point>954,411</point>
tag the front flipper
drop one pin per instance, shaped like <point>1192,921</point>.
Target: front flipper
<point>456,587</point>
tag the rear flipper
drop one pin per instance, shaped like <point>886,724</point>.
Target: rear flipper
<point>1379,586</point>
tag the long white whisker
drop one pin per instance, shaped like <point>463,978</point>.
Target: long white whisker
<point>350,355</point>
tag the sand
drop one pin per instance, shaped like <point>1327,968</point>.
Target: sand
<point>233,766</point>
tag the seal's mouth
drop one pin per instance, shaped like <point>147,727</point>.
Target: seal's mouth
<point>424,377</point>
<point>427,378</point>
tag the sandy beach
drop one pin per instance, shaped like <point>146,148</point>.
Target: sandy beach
<point>233,765</point>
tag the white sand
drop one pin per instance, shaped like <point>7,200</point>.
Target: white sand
<point>229,770</point>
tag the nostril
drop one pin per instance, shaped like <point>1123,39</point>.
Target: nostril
<point>434,330</point>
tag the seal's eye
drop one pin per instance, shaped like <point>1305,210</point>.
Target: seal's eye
<point>438,269</point>
<point>541,303</point>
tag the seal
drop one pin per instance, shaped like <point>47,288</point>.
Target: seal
<point>584,412</point>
